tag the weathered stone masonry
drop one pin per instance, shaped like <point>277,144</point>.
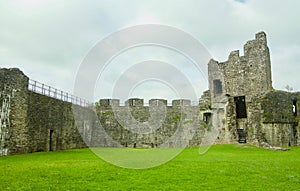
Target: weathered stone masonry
<point>32,122</point>
<point>13,102</point>
<point>242,85</point>
<point>240,97</point>
<point>155,124</point>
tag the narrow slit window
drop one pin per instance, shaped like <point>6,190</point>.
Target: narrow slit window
<point>240,103</point>
<point>295,107</point>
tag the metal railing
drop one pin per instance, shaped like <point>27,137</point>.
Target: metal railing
<point>49,91</point>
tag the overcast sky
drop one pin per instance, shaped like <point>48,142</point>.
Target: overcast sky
<point>49,39</point>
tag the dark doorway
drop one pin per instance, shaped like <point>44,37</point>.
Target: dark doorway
<point>240,106</point>
<point>50,140</point>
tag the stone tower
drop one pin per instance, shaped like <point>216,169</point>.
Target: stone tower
<point>236,87</point>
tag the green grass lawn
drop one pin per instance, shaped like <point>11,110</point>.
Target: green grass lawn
<point>223,167</point>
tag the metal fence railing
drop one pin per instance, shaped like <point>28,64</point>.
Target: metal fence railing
<point>49,91</point>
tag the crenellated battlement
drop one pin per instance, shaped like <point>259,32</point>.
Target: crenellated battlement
<point>158,102</point>
<point>138,102</point>
<point>109,102</point>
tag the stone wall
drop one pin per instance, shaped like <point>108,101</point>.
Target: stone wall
<point>278,107</point>
<point>13,104</point>
<point>51,124</point>
<point>33,122</point>
<point>136,125</point>
<point>280,118</point>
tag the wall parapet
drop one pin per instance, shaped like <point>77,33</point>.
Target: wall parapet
<point>137,102</point>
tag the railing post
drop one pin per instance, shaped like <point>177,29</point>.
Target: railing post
<point>34,86</point>
<point>43,89</point>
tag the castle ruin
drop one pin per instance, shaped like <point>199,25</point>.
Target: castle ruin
<point>240,97</point>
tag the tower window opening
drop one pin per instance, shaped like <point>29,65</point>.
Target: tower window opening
<point>206,117</point>
<point>217,86</point>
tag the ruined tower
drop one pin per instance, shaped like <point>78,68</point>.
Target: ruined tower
<point>242,93</point>
<point>238,84</point>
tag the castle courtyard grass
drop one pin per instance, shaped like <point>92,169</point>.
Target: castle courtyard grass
<point>223,167</point>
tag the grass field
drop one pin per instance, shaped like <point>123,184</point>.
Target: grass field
<point>223,167</point>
